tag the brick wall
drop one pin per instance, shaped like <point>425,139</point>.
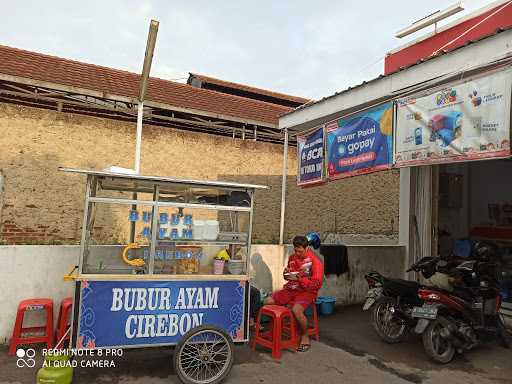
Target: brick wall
<point>43,204</point>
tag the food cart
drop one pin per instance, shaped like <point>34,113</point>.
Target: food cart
<point>148,274</point>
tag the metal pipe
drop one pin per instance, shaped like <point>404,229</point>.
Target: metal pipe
<point>143,86</point>
<point>138,140</point>
<point>108,200</point>
<point>148,59</point>
<point>283,186</point>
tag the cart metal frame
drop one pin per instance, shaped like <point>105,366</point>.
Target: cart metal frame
<point>153,184</point>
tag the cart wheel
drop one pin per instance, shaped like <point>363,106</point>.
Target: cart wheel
<point>204,355</point>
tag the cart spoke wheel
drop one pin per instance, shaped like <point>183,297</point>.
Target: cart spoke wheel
<point>204,356</point>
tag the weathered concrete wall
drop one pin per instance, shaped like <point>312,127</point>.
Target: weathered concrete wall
<point>351,287</point>
<point>40,203</point>
<point>43,203</point>
<point>30,271</point>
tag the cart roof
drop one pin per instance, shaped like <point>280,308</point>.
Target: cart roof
<point>200,183</point>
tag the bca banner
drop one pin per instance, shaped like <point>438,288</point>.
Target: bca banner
<point>138,313</point>
<point>465,122</point>
<point>361,143</point>
<point>310,151</point>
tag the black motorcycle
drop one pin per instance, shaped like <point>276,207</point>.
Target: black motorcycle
<point>393,300</point>
<point>458,320</point>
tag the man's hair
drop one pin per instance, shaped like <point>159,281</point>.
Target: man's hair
<point>300,241</point>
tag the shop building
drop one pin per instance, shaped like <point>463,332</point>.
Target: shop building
<point>451,138</point>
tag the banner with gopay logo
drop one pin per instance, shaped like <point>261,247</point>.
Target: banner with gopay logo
<point>360,143</point>
<point>467,121</point>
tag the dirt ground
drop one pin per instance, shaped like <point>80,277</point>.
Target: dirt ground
<point>348,350</point>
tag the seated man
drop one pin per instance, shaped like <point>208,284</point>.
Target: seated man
<point>304,273</point>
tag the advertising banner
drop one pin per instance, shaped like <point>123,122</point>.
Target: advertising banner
<point>137,313</point>
<point>310,152</point>
<point>361,143</point>
<point>465,122</point>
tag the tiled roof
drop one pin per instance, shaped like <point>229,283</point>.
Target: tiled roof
<point>52,69</point>
<point>247,88</point>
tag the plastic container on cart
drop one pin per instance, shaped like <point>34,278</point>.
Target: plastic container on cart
<point>146,216</point>
<point>162,233</point>
<point>211,230</point>
<point>218,267</point>
<point>187,220</point>
<point>198,229</point>
<point>164,217</point>
<point>175,219</point>
<point>134,215</point>
<point>236,267</point>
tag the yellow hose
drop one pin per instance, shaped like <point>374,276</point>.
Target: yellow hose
<point>132,262</point>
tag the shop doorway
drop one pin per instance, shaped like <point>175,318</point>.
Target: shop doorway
<point>474,202</point>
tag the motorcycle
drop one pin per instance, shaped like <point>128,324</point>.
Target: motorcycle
<point>393,300</point>
<point>454,321</point>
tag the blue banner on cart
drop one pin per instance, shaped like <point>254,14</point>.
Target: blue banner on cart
<point>361,143</point>
<point>310,151</point>
<point>138,313</point>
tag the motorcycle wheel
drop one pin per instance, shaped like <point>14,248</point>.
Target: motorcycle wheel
<point>437,348</point>
<point>389,328</point>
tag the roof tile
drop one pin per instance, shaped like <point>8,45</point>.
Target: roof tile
<point>37,66</point>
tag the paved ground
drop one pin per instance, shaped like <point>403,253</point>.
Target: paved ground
<point>348,351</point>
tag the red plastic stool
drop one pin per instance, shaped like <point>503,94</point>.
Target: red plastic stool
<point>63,320</point>
<point>282,324</point>
<point>17,334</point>
<point>314,330</point>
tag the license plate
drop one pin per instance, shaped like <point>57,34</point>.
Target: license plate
<point>425,312</point>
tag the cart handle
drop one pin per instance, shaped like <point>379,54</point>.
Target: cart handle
<point>132,262</point>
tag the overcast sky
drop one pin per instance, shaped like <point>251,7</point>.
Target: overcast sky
<point>304,48</point>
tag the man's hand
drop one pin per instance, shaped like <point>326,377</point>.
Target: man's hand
<point>293,277</point>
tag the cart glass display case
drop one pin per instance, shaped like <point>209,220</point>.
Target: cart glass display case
<point>160,257</point>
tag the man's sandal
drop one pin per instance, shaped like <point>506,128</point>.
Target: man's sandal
<point>303,347</point>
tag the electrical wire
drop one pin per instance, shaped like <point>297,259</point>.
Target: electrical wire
<point>471,28</point>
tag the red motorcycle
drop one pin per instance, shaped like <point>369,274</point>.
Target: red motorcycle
<point>458,320</point>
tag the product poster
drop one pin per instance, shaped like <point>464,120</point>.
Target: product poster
<point>138,313</point>
<point>460,123</point>
<point>310,152</point>
<point>361,143</point>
